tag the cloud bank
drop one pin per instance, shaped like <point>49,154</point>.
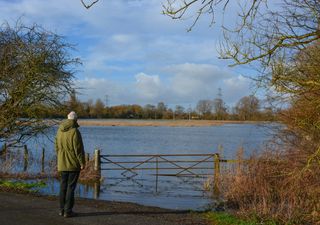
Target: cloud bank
<point>133,53</point>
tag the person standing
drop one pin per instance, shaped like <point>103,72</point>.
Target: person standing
<point>70,160</point>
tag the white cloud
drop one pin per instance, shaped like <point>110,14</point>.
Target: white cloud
<point>237,87</point>
<point>124,43</point>
<point>186,84</point>
<point>120,48</point>
<point>148,87</point>
<point>122,38</point>
<point>94,88</point>
<point>147,50</point>
<point>117,30</point>
<point>197,81</point>
<point>58,16</point>
<point>178,49</point>
<point>145,89</point>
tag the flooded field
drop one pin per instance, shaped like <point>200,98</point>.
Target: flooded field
<point>145,188</point>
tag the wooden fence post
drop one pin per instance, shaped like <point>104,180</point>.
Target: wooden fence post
<point>157,170</point>
<point>4,150</point>
<point>42,160</point>
<point>26,158</point>
<point>87,157</point>
<point>97,163</point>
<point>216,190</point>
<point>96,190</point>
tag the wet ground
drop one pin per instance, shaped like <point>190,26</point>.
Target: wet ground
<point>17,209</point>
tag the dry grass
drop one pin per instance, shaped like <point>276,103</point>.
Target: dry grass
<point>88,174</point>
<point>275,185</point>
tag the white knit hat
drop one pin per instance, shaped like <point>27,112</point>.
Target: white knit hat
<point>72,116</point>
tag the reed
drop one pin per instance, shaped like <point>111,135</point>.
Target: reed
<point>275,185</point>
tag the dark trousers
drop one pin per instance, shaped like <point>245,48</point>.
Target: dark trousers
<point>68,184</point>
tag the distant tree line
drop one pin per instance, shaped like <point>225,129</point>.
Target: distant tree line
<point>247,108</point>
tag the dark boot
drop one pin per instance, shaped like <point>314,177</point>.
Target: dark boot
<point>61,212</point>
<point>69,214</point>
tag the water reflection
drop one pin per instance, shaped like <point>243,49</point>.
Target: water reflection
<point>171,192</point>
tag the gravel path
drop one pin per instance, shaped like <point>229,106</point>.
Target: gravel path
<point>20,209</point>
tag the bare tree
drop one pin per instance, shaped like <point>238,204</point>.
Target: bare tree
<point>161,109</point>
<point>248,108</point>
<point>261,33</point>
<point>179,111</point>
<point>99,108</point>
<point>204,107</point>
<point>36,73</point>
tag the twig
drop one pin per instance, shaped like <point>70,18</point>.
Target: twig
<point>87,6</point>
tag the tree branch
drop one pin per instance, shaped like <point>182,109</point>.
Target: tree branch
<point>88,6</point>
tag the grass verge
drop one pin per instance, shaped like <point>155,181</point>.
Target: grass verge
<point>223,218</point>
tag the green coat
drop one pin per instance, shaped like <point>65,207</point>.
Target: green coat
<point>69,147</point>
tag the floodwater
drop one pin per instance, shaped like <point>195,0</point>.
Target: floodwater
<point>145,188</point>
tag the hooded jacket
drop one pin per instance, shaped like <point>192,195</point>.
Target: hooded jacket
<point>69,147</point>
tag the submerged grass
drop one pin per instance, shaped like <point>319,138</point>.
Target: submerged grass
<point>21,187</point>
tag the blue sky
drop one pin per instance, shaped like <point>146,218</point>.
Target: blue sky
<point>136,55</point>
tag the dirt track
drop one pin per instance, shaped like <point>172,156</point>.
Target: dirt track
<point>19,209</point>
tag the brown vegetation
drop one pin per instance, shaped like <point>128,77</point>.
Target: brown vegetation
<point>166,123</point>
<point>284,182</point>
<point>88,174</point>
<point>275,185</point>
